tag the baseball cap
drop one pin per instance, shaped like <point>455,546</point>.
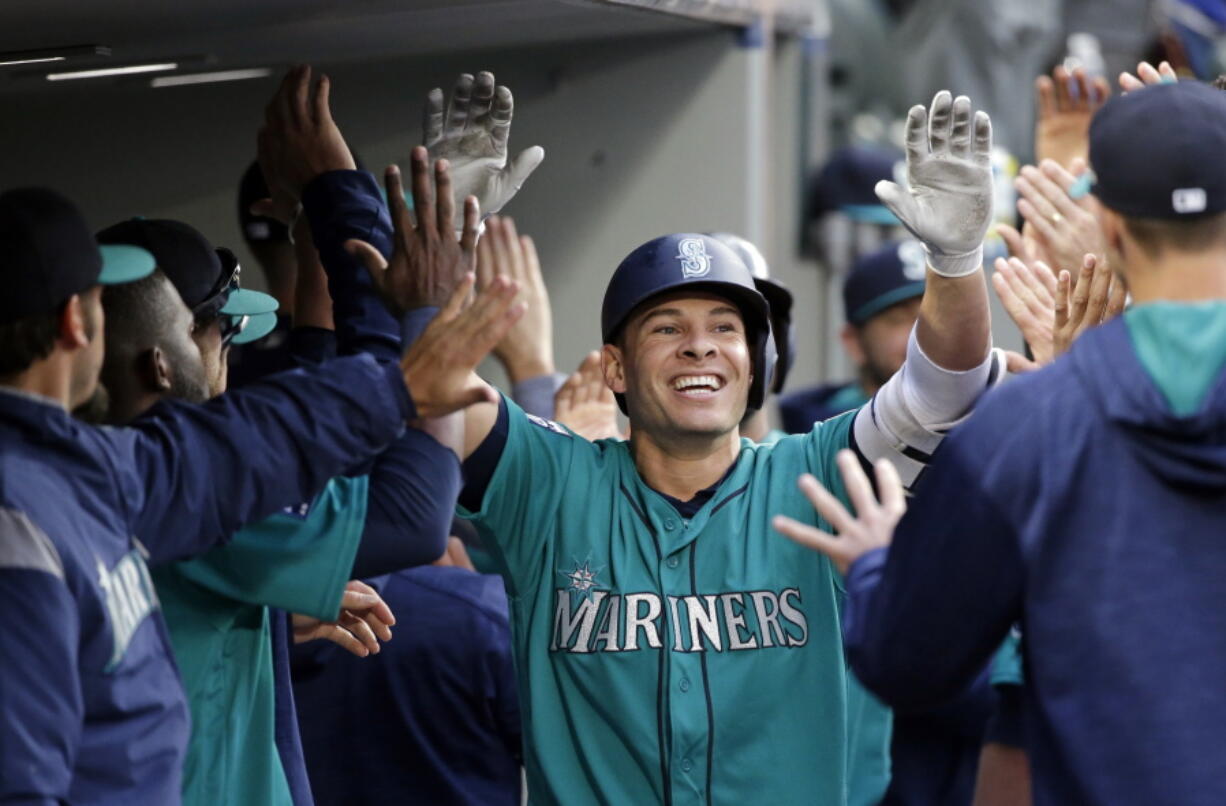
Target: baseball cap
<point>252,328</point>
<point>893,274</point>
<point>206,278</point>
<point>47,254</point>
<point>1157,152</point>
<point>845,183</point>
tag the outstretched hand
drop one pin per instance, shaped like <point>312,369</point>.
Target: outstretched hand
<point>428,260</point>
<point>1096,296</point>
<point>1028,292</point>
<point>439,368</point>
<point>872,527</point>
<point>948,206</point>
<point>527,349</point>
<point>1148,75</point>
<point>298,142</point>
<point>585,404</point>
<point>364,620</point>
<point>1065,102</point>
<point>472,133</point>
<point>1064,227</point>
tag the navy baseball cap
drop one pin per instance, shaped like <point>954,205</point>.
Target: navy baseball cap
<point>47,254</point>
<point>1157,152</point>
<point>206,278</point>
<point>845,183</point>
<point>893,274</point>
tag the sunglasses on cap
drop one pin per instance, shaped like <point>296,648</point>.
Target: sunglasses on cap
<point>231,326</point>
<point>227,283</point>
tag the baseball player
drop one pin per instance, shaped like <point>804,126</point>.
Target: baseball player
<point>669,648</point>
<point>90,697</point>
<point>1096,517</point>
<point>396,516</point>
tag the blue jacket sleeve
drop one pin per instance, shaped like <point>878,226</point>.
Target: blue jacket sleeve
<point>40,697</point>
<point>192,475</point>
<point>340,205</point>
<point>309,346</point>
<point>925,616</point>
<point>413,489</point>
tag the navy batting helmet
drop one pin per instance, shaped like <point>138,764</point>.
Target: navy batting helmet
<point>782,342</point>
<point>690,261</point>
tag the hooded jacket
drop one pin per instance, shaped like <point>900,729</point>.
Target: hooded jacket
<point>1077,502</point>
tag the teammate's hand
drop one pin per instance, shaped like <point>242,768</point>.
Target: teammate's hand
<point>364,620</point>
<point>299,140</point>
<point>472,133</point>
<point>427,260</point>
<point>1065,103</point>
<point>1028,292</point>
<point>871,528</point>
<point>1148,75</point>
<point>527,349</point>
<point>585,403</point>
<point>948,206</point>
<point>1065,228</point>
<point>1097,296</point>
<point>439,368</point>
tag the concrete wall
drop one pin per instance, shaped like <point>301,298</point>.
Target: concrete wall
<point>641,137</point>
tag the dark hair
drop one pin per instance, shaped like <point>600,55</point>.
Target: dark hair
<point>1155,235</point>
<point>137,316</point>
<point>1219,83</point>
<point>26,340</point>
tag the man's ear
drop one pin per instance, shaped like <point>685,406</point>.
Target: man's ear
<point>154,370</point>
<point>850,336</point>
<point>613,367</point>
<point>73,328</point>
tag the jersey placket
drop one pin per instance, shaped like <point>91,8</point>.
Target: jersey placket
<point>685,697</point>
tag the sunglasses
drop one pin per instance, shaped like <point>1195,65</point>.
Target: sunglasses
<point>219,294</point>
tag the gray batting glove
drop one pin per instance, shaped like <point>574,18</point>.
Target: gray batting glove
<point>472,135</point>
<point>948,206</point>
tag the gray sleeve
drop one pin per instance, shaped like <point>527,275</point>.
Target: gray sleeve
<point>535,395</point>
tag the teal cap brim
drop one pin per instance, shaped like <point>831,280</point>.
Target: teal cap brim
<point>870,214</point>
<point>258,326</point>
<point>124,264</point>
<point>245,302</point>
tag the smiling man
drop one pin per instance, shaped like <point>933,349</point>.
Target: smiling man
<point>669,647</point>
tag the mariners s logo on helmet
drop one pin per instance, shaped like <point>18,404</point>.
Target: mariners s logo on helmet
<point>695,262</point>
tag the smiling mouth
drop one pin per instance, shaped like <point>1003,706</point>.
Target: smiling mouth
<point>698,385</point>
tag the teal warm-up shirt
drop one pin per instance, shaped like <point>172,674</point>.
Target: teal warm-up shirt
<point>666,660</point>
<point>216,607</point>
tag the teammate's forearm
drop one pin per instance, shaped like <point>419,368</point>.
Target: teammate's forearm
<point>955,321</point>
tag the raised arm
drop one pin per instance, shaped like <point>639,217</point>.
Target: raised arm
<point>947,206</point>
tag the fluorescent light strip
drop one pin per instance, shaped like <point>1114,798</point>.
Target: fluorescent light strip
<point>210,78</point>
<point>113,71</point>
<point>40,60</point>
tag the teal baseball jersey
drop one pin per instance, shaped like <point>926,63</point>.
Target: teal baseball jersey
<point>216,608</point>
<point>664,659</point>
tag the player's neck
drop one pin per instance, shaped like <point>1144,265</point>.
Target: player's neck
<point>48,378</point>
<point>1182,277</point>
<point>679,468</point>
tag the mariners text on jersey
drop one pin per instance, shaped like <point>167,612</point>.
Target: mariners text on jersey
<point>603,621</point>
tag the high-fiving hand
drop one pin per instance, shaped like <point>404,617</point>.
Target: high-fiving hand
<point>429,259</point>
<point>527,349</point>
<point>948,206</point>
<point>299,141</point>
<point>872,526</point>
<point>471,132</point>
<point>1065,104</point>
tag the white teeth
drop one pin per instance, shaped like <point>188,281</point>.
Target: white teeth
<point>688,381</point>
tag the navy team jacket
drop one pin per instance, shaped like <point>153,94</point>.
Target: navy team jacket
<point>90,701</point>
<point>1074,502</point>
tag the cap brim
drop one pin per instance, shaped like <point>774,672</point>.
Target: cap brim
<point>870,214</point>
<point>124,264</point>
<point>245,302</point>
<point>258,326</point>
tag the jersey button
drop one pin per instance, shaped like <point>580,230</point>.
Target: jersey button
<point>673,562</point>
<point>686,765</point>
<point>684,685</point>
<point>670,524</point>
